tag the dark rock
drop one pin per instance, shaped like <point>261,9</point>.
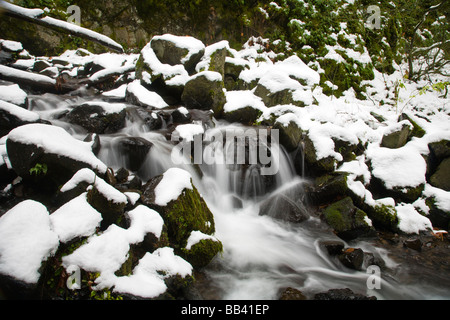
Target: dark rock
<point>333,247</point>
<point>398,139</point>
<point>134,150</point>
<point>247,115</point>
<point>329,187</point>
<point>439,218</point>
<point>441,178</point>
<point>189,212</point>
<point>181,117</point>
<point>95,139</point>
<point>290,135</point>
<point>168,53</point>
<point>414,244</point>
<point>205,92</point>
<point>417,130</point>
<point>41,65</point>
<point>317,166</point>
<point>10,121</point>
<point>352,258</point>
<point>292,294</point>
<point>341,294</point>
<point>95,119</point>
<point>122,175</point>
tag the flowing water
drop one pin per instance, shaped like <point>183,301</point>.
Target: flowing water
<point>261,255</point>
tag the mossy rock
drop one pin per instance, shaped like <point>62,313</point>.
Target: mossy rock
<point>247,115</point>
<point>204,93</point>
<point>439,218</point>
<point>328,187</point>
<point>317,166</point>
<point>201,253</point>
<point>112,212</point>
<point>383,217</point>
<point>348,221</point>
<point>397,139</point>
<point>189,212</point>
<point>290,135</point>
<point>417,130</point>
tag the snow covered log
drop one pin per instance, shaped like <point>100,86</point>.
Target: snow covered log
<point>37,16</point>
<point>35,81</point>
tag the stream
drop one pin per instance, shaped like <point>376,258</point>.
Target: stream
<point>262,255</point>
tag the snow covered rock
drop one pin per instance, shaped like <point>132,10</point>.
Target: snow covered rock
<point>201,249</point>
<point>27,240</point>
<point>397,136</point>
<point>182,207</point>
<point>50,154</point>
<point>176,50</point>
<point>13,94</point>
<point>242,107</point>
<point>141,96</point>
<point>13,116</point>
<point>98,117</point>
<point>204,91</point>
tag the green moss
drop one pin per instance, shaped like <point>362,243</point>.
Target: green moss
<point>384,216</point>
<point>186,214</point>
<point>202,252</point>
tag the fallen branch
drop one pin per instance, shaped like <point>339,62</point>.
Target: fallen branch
<point>37,16</point>
<point>35,81</point>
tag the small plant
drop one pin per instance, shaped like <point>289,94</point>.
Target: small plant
<point>39,169</point>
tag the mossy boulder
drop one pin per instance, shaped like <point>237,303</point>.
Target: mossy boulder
<point>204,91</point>
<point>348,221</point>
<point>111,207</point>
<point>200,254</point>
<point>315,165</point>
<point>328,187</point>
<point>290,135</point>
<point>189,212</point>
<point>440,218</point>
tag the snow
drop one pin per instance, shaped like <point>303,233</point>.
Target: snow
<point>196,237</point>
<point>21,113</point>
<point>171,186</point>
<point>56,140</point>
<point>13,93</point>
<point>177,74</point>
<point>108,108</point>
<point>145,96</point>
<point>410,221</point>
<point>26,240</point>
<point>11,72</point>
<point>119,92</point>
<point>241,99</point>
<point>76,218</point>
<point>402,167</point>
<point>212,76</point>
<point>147,279</point>
<point>188,131</point>
<point>89,176</point>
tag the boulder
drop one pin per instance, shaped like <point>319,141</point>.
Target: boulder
<point>441,178</point>
<point>174,50</point>
<point>201,249</point>
<point>98,117</point>
<point>177,200</point>
<point>290,135</point>
<point>352,258</point>
<point>13,116</point>
<point>134,150</point>
<point>204,91</point>
<point>439,217</point>
<point>397,136</point>
<point>329,187</point>
<point>333,247</point>
<point>49,154</point>
<point>348,221</point>
<point>315,165</point>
